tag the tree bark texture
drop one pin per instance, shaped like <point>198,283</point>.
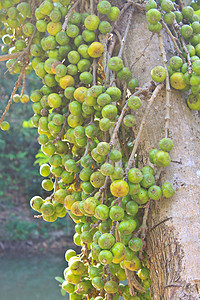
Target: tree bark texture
<point>173,238</point>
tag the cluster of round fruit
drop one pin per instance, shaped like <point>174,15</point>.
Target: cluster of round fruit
<point>182,75</point>
<point>86,174</point>
<point>82,279</point>
<point>105,223</point>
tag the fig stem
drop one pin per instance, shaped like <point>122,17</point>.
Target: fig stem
<point>64,27</point>
<point>137,140</point>
<point>167,87</point>
<point>173,38</point>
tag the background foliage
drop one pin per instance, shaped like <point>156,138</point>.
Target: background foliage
<point>19,175</point>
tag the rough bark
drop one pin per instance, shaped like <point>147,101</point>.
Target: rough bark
<point>173,241</point>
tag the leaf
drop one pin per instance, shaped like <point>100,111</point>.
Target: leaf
<point>59,279</point>
<point>63,292</point>
<point>41,158</point>
<point>27,124</point>
<point>21,154</point>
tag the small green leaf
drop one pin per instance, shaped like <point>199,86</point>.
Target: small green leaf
<point>63,292</point>
<point>59,279</point>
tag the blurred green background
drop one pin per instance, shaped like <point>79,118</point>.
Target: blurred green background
<point>31,250</point>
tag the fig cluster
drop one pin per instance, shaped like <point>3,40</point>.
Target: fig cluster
<point>184,70</point>
<point>76,114</point>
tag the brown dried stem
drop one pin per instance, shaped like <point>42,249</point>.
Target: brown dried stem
<point>126,6</point>
<point>18,83</point>
<point>125,34</point>
<point>188,55</point>
<point>64,27</point>
<point>173,38</point>
<point>124,109</point>
<point>61,131</point>
<point>94,72</point>
<point>143,51</point>
<point>130,275</point>
<point>10,56</point>
<point>164,59</point>
<point>137,140</point>
<point>24,82</point>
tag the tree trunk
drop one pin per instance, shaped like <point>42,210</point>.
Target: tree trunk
<point>173,241</point>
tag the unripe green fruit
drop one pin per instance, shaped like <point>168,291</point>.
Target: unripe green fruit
<point>105,257</point>
<point>104,27</point>
<point>106,241</point>
<point>135,244</point>
<point>90,204</point>
<point>47,184</point>
<point>107,169</point>
<point>44,170</point>
<point>36,202</point>
<point>46,7</point>
<point>110,112</point>
<point>133,265</point>
<point>114,13</point>
<point>134,175</point>
<point>97,179</point>
<point>186,31</point>
<point>152,153</point>
<point>143,273</point>
<point>193,101</point>
<point>166,144</point>
<point>167,5</point>
<point>153,16</point>
<point>5,126</point>
<point>91,22</point>
<point>162,159</point>
<point>125,227</point>
<point>68,287</point>
<point>118,173</point>
<point>111,287</point>
<point>158,74</point>
<point>102,212</point>
<point>148,180</point>
<point>131,208</point>
<point>115,155</point>
<point>169,18</point>
<point>89,37</point>
<point>129,120</point>
<point>154,192</point>
<point>155,28</point>
<point>179,16</point>
<point>97,282</point>
<point>85,174</point>
<point>150,4</point>
<point>175,62</point>
<point>86,237</point>
<point>115,64</point>
<point>187,12</point>
<point>134,102</point>
<point>60,195</point>
<point>47,209</point>
<point>104,7</point>
<point>67,177</point>
<point>142,196</point>
<point>51,218</point>
<point>167,190</point>
<point>116,213</point>
<point>105,124</point>
<point>148,169</point>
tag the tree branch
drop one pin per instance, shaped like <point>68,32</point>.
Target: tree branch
<point>164,59</point>
<point>64,27</point>
<point>173,38</point>
<point>137,140</point>
<point>125,34</point>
